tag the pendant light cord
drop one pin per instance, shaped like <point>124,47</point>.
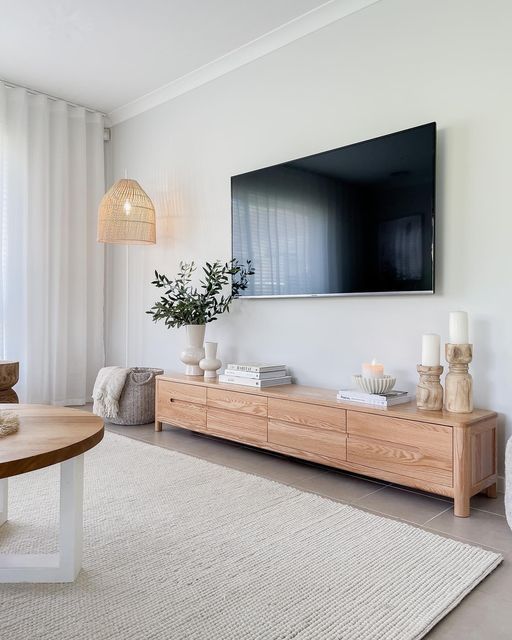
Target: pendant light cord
<point>127,296</point>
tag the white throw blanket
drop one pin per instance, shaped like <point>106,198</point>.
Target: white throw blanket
<point>108,388</point>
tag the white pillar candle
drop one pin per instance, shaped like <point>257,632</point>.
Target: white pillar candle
<point>458,331</point>
<point>373,370</point>
<point>430,350</point>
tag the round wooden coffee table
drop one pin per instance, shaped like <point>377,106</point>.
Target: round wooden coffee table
<point>49,435</point>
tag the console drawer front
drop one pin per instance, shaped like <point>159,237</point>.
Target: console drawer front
<point>182,414</point>
<point>403,460</point>
<point>413,449</point>
<point>235,401</point>
<point>236,426</point>
<point>180,391</point>
<point>434,438</point>
<point>307,415</point>
<point>327,443</point>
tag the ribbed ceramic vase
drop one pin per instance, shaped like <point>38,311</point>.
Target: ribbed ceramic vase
<point>210,364</point>
<point>194,351</point>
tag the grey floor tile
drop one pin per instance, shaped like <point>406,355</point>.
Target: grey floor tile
<point>287,471</point>
<point>493,505</point>
<point>480,501</point>
<point>419,492</point>
<point>339,486</point>
<point>405,505</point>
<point>481,527</point>
<point>480,616</point>
<point>499,583</point>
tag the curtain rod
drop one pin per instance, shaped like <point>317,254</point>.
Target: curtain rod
<point>35,92</point>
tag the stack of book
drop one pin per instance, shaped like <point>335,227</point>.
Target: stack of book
<point>380,400</point>
<point>255,375</point>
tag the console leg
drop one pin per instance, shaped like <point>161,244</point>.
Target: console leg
<point>461,506</point>
<point>158,426</point>
<point>492,491</point>
<point>461,471</point>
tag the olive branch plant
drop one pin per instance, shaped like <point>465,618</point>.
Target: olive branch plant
<point>182,303</point>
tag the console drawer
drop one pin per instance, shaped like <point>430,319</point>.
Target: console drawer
<point>434,439</point>
<point>186,392</point>
<point>403,460</point>
<point>236,401</point>
<point>236,426</point>
<point>182,414</point>
<point>406,447</point>
<point>328,443</point>
<point>304,414</point>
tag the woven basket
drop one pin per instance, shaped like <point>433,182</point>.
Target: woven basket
<point>137,402</point>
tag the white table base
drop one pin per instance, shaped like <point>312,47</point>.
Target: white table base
<point>51,567</point>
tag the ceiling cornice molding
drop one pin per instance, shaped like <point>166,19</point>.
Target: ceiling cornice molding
<point>297,28</point>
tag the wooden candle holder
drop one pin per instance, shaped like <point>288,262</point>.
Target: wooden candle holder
<point>458,396</point>
<point>9,375</point>
<point>429,392</point>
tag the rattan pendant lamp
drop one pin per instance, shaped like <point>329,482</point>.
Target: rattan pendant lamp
<point>126,215</point>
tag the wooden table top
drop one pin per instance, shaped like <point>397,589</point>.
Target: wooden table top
<point>46,435</point>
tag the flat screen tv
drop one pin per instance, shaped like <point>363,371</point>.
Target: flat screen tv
<point>352,221</point>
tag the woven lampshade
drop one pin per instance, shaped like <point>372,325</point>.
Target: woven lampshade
<point>126,215</point>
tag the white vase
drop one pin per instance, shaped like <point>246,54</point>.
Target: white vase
<point>210,364</point>
<point>194,351</point>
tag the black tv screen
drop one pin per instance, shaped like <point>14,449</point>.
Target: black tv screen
<point>354,220</point>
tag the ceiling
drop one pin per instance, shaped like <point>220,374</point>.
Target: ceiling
<point>105,54</point>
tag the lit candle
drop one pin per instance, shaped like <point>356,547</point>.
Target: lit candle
<point>430,350</point>
<point>458,333</point>
<point>373,370</point>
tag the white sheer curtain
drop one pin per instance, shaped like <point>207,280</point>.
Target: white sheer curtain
<point>51,268</point>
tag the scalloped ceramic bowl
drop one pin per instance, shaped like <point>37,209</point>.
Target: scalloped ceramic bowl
<point>374,385</point>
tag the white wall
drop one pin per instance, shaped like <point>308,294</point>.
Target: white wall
<point>397,64</point>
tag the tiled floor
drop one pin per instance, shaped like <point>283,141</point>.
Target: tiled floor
<point>485,614</point>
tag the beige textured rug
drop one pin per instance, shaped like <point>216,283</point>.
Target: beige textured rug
<point>178,548</point>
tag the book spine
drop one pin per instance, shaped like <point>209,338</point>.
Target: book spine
<point>254,375</point>
<point>255,368</point>
<point>401,400</point>
<point>247,382</point>
<point>376,403</point>
<point>241,374</point>
<point>371,397</point>
<point>275,382</point>
<point>363,396</point>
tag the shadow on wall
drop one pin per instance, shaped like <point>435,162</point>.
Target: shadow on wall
<point>482,381</point>
<point>169,203</point>
<point>452,142</point>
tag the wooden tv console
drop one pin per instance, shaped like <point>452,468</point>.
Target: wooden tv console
<point>445,453</point>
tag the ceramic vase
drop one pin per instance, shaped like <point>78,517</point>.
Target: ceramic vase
<point>210,364</point>
<point>194,351</point>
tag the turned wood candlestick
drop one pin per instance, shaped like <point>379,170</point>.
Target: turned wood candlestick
<point>458,396</point>
<point>429,392</point>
